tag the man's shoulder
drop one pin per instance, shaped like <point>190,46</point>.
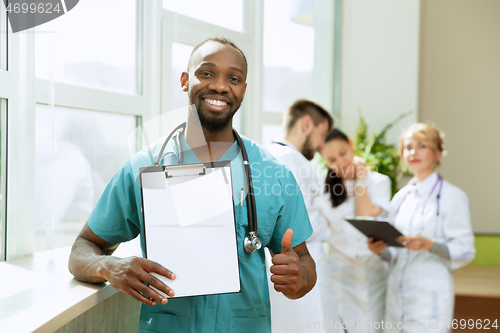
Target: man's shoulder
<point>261,158</point>
<point>279,150</point>
<point>257,152</point>
<point>288,155</point>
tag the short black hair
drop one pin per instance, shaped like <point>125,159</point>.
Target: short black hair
<point>220,40</point>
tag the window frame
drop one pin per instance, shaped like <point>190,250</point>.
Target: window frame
<point>17,89</point>
<point>3,178</point>
<point>157,29</point>
<point>327,56</point>
<point>23,91</point>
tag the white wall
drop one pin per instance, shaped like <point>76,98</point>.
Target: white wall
<point>440,58</point>
<point>460,93</point>
<point>380,41</point>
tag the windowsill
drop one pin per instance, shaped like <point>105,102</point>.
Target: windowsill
<point>39,294</point>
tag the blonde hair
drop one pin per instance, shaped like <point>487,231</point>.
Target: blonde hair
<point>425,133</point>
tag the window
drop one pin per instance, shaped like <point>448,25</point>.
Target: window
<point>82,135</point>
<point>3,104</point>
<point>288,57</point>
<point>225,13</point>
<point>3,38</point>
<point>93,45</point>
<point>180,55</point>
<point>82,83</point>
<point>271,133</point>
<point>76,153</point>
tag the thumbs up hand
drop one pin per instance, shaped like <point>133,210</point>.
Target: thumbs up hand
<point>288,276</point>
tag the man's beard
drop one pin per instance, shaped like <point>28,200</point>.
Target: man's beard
<point>307,150</point>
<point>214,124</point>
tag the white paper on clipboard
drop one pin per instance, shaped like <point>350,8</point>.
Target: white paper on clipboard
<point>190,228</point>
<point>208,204</point>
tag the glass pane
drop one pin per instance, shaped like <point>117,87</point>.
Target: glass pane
<point>224,13</point>
<point>288,57</point>
<point>93,45</point>
<point>3,167</point>
<point>77,153</point>
<point>180,58</point>
<point>4,28</point>
<point>271,133</point>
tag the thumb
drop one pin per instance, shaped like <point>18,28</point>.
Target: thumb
<point>286,241</point>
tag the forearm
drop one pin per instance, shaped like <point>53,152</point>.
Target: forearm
<point>307,274</point>
<point>441,250</point>
<point>386,255</point>
<point>364,206</point>
<point>88,262</point>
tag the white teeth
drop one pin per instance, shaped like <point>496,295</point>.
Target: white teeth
<point>216,102</point>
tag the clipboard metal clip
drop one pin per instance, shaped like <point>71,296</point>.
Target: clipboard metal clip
<point>185,170</point>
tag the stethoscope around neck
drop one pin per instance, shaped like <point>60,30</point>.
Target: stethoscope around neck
<point>251,243</point>
<point>440,182</point>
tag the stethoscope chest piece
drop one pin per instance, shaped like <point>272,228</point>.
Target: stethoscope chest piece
<point>252,243</point>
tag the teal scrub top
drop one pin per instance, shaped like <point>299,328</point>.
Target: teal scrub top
<point>117,218</point>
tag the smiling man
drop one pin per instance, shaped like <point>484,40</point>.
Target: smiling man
<point>216,104</point>
<point>215,83</point>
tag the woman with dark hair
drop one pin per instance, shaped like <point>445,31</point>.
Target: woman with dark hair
<point>351,189</point>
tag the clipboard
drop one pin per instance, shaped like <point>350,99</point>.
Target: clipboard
<point>189,226</point>
<point>379,230</point>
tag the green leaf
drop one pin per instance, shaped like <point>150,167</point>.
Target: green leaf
<point>377,153</point>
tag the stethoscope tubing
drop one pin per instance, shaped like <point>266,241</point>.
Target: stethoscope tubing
<point>251,206</point>
<point>175,131</point>
<point>439,180</point>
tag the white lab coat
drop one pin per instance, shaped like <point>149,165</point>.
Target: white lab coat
<point>316,311</point>
<point>360,276</point>
<point>420,290</point>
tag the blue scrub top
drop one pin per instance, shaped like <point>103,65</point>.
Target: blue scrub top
<point>117,218</point>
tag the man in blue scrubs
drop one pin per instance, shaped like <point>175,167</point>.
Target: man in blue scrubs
<point>215,83</point>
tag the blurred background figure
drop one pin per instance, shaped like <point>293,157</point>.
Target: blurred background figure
<point>434,216</point>
<point>351,189</point>
<point>306,126</point>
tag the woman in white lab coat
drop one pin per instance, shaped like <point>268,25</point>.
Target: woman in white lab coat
<point>359,275</point>
<point>434,216</point>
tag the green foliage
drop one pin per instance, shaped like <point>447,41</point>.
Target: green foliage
<point>319,163</point>
<point>380,156</point>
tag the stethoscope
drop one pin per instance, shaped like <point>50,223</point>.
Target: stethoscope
<point>252,243</point>
<point>440,182</point>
